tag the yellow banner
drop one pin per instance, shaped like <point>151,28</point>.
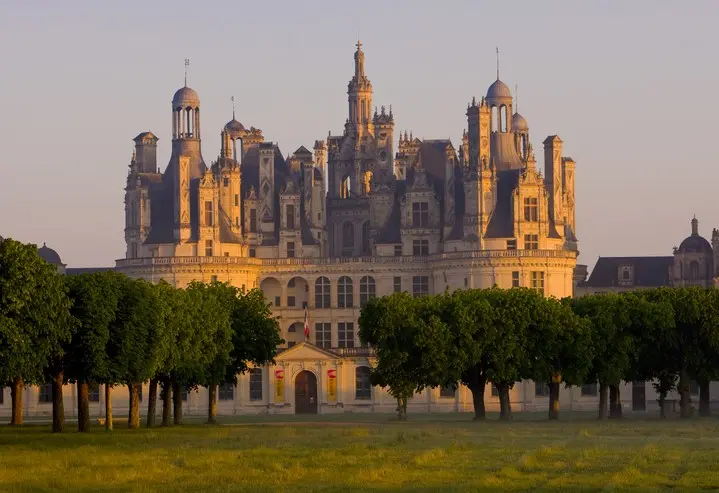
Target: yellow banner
<point>279,386</point>
<point>331,385</point>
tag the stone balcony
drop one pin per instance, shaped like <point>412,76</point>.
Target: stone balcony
<point>315,261</point>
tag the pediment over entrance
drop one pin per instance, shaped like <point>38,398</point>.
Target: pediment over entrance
<point>305,351</point>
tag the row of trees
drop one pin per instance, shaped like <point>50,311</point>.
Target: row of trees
<point>667,335</point>
<point>105,328</point>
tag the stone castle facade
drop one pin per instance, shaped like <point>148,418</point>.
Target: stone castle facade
<point>354,218</point>
<point>320,232</point>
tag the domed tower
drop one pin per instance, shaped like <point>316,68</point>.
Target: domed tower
<point>521,135</point>
<point>694,260</point>
<point>499,100</point>
<point>186,130</point>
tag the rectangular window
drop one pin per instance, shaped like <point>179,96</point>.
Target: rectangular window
<point>541,389</point>
<point>213,278</point>
<point>208,248</point>
<point>420,214</point>
<point>515,279</point>
<point>397,284</point>
<point>398,250</point>
<point>420,286</point>
<point>253,252</point>
<point>537,281</point>
<point>290,249</point>
<point>209,216</point>
<point>255,384</point>
<point>511,244</point>
<point>345,334</point>
<point>531,209</point>
<point>420,247</point>
<point>495,391</point>
<point>237,200</point>
<point>278,301</point>
<point>45,393</point>
<point>447,391</point>
<point>290,216</point>
<point>226,182</point>
<point>531,242</point>
<point>184,395</point>
<point>290,301</point>
<point>363,383</point>
<point>226,392</point>
<point>253,220</point>
<point>133,250</point>
<point>589,390</point>
<point>323,334</point>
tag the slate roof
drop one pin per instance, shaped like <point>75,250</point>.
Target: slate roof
<point>500,222</point>
<point>648,271</point>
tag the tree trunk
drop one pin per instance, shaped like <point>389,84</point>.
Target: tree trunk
<point>704,409</point>
<point>108,407</point>
<point>212,404</point>
<point>505,406</point>
<point>603,390</point>
<point>684,395</point>
<point>83,407</point>
<point>16,389</point>
<point>402,408</point>
<point>615,402</point>
<point>166,402</point>
<point>133,418</point>
<point>662,401</point>
<point>177,400</point>
<point>480,412</point>
<point>58,406</point>
<point>554,396</point>
<point>152,403</point>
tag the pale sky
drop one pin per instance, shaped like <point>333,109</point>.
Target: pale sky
<point>629,86</point>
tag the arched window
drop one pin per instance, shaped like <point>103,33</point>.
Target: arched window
<point>495,118</point>
<point>346,188</point>
<point>368,290</point>
<point>344,292</point>
<point>367,183</point>
<point>322,293</point>
<point>363,385</point>
<point>348,239</point>
<point>503,118</point>
<point>694,270</point>
<point>365,238</point>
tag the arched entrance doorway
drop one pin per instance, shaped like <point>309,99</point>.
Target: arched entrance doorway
<point>306,393</point>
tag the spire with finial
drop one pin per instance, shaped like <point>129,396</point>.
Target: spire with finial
<point>187,64</point>
<point>516,98</point>
<point>232,98</point>
<point>497,62</point>
<point>695,226</point>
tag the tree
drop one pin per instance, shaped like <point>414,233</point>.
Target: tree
<point>512,316</point>
<point>34,322</point>
<point>388,324</point>
<point>95,299</point>
<point>255,333</point>
<point>132,339</point>
<point>559,347</point>
<point>471,318</point>
<point>613,342</point>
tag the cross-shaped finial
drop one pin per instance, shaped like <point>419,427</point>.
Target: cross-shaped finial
<point>187,64</point>
<point>359,45</point>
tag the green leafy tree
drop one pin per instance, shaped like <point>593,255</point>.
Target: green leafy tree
<point>559,347</point>
<point>613,342</point>
<point>705,366</point>
<point>95,302</point>
<point>35,322</point>
<point>255,334</point>
<point>132,347</point>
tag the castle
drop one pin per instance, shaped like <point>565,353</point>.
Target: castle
<point>422,218</point>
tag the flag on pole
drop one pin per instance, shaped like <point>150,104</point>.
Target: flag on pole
<point>307,326</point>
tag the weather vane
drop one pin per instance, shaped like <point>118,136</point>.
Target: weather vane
<point>187,64</point>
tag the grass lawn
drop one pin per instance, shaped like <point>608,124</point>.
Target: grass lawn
<point>368,453</point>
